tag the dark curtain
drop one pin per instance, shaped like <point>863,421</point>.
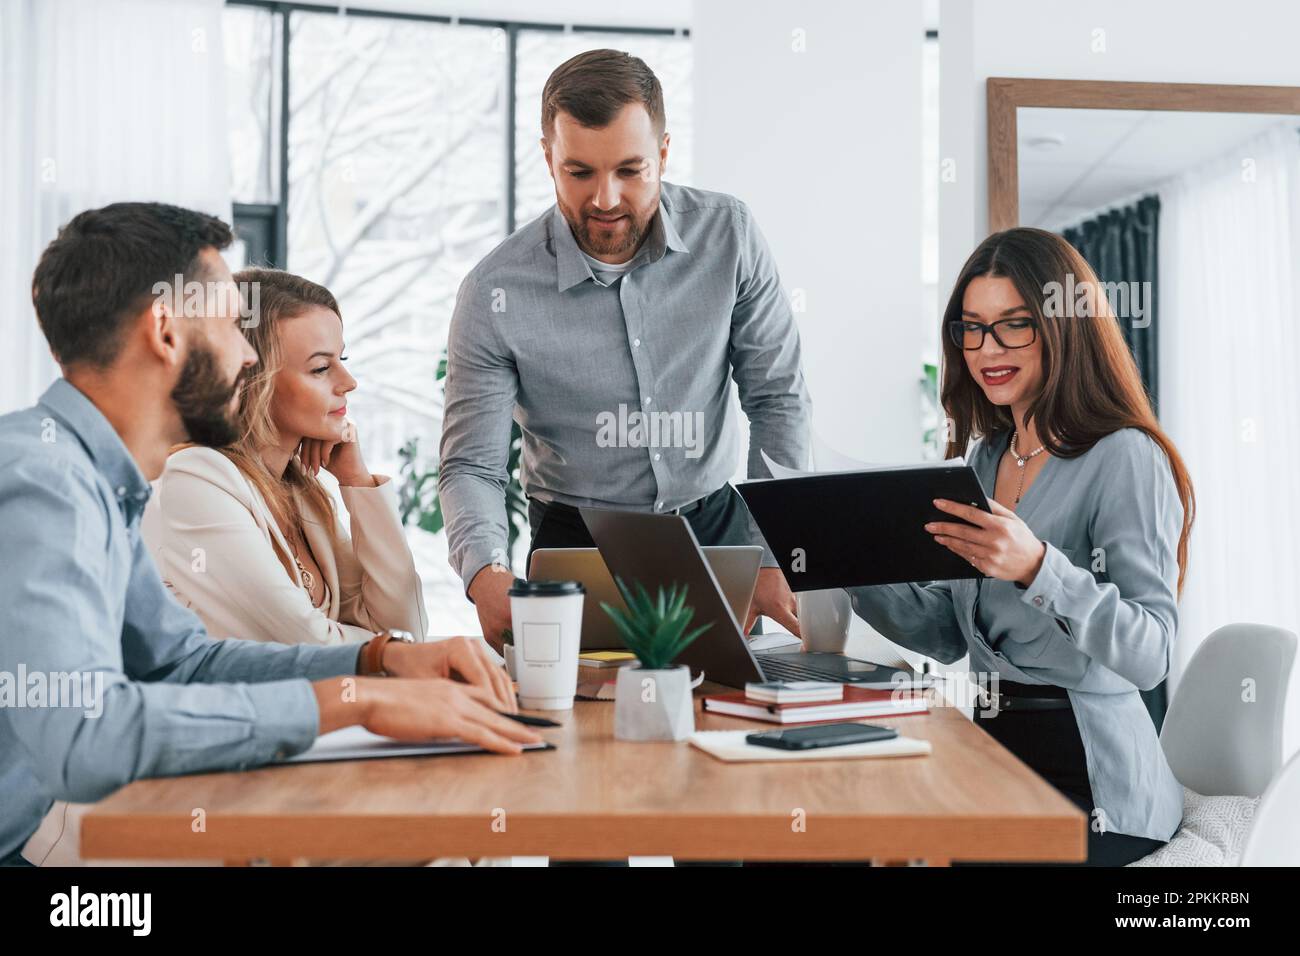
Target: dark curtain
<point>1121,246</point>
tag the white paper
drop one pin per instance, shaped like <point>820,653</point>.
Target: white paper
<point>357,743</point>
<point>842,465</point>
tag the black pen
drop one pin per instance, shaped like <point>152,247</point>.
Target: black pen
<point>531,721</point>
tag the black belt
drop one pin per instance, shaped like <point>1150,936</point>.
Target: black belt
<point>695,505</point>
<point>1012,696</point>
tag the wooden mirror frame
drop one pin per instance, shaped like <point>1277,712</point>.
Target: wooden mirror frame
<point>1005,95</point>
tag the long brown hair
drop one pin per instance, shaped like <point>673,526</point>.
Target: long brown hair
<point>1091,386</point>
<point>280,296</point>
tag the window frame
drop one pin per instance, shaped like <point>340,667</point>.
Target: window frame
<point>265,226</point>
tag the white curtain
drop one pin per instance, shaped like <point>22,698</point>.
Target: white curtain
<point>1230,384</point>
<point>102,101</point>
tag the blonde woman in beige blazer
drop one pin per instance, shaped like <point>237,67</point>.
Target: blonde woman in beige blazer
<point>218,546</point>
<point>247,535</point>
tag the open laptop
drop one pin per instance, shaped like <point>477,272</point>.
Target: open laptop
<point>660,551</point>
<point>735,567</point>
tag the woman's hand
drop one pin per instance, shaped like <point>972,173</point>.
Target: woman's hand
<point>342,459</point>
<point>1000,545</point>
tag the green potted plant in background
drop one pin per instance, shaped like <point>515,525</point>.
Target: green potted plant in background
<point>653,700</point>
<point>417,490</point>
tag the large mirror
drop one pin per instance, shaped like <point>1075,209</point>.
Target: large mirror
<point>1185,199</point>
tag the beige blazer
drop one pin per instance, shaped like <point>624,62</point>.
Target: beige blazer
<point>215,542</point>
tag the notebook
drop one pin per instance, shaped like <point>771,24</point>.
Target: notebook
<point>730,746</point>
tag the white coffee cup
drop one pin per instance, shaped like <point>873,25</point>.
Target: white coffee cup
<point>824,618</point>
<point>546,620</point>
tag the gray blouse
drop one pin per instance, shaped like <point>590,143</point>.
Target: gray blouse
<point>1099,619</point>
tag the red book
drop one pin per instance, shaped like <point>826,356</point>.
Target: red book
<point>858,702</point>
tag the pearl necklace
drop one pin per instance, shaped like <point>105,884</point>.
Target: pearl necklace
<point>1020,463</point>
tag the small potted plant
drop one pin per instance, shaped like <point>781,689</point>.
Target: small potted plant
<point>653,701</point>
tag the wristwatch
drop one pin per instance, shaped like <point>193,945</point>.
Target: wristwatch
<point>372,655</point>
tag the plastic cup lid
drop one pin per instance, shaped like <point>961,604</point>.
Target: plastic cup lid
<point>522,588</point>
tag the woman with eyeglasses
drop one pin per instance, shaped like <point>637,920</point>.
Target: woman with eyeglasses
<point>1085,550</point>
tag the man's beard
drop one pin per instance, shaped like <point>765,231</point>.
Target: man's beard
<point>597,245</point>
<point>202,396</point>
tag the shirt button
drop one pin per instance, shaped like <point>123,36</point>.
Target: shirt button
<point>659,506</point>
<point>648,399</point>
<point>636,343</point>
<point>121,492</point>
<point>657,456</point>
<point>1038,601</point>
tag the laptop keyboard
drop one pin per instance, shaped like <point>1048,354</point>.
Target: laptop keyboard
<point>775,667</point>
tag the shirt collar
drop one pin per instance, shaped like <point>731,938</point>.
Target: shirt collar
<point>101,441</point>
<point>572,268</point>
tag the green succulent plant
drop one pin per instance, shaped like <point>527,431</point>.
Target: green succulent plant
<point>654,630</point>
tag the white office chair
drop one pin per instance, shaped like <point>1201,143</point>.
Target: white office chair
<point>1223,733</point>
<point>1223,739</point>
<point>1274,837</point>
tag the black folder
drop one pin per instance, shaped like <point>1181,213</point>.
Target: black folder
<point>855,528</point>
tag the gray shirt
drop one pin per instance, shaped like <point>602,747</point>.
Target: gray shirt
<point>622,390</point>
<point>1099,619</point>
<point>104,678</point>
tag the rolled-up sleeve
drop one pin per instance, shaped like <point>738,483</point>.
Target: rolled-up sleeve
<point>1126,616</point>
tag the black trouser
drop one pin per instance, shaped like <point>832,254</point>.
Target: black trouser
<point>1048,742</point>
<point>717,519</point>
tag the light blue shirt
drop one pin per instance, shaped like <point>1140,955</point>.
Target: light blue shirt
<point>1099,619</point>
<point>80,596</point>
<point>574,359</point>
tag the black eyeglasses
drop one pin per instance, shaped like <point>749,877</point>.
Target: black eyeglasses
<point>1008,333</point>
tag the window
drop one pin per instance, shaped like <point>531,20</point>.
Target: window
<point>399,176</point>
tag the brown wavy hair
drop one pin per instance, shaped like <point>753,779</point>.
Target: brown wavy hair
<point>281,295</point>
<point>1091,386</point>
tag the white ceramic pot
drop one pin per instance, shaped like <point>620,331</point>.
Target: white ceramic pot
<point>653,704</point>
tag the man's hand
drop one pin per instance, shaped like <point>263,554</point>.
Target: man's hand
<point>490,593</point>
<point>773,598</point>
<point>458,658</point>
<point>418,710</point>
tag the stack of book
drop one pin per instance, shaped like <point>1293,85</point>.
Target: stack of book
<point>813,702</point>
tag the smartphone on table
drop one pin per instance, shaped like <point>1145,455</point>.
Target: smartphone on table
<point>822,735</point>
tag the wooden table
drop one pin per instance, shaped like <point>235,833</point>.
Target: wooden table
<point>598,798</point>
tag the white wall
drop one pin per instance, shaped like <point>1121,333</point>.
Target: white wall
<point>825,146</point>
<point>1176,41</point>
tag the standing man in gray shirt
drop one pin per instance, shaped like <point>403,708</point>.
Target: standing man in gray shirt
<point>609,329</point>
